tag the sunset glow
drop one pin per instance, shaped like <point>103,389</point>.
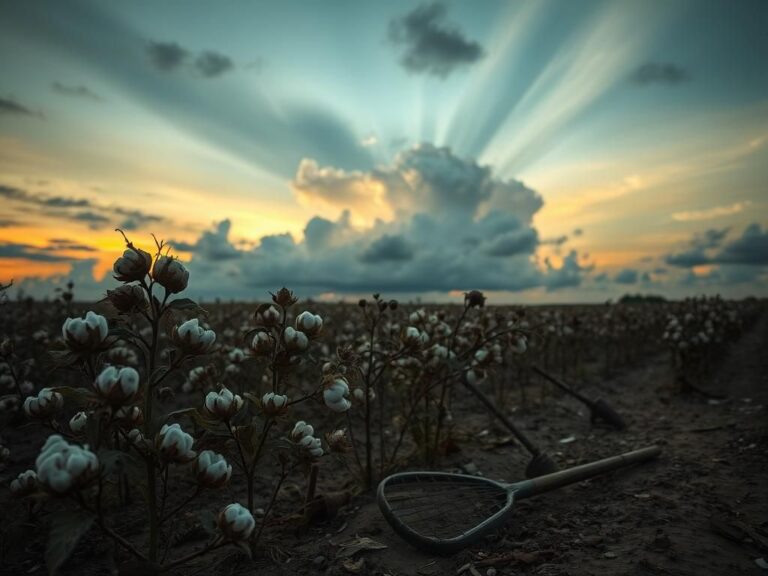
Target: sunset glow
<point>580,150</point>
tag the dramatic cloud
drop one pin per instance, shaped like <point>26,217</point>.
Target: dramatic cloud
<point>660,73</point>
<point>455,226</point>
<point>432,46</point>
<point>10,106</point>
<point>75,91</point>
<point>26,252</point>
<point>425,178</point>
<point>96,215</point>
<point>569,275</point>
<point>67,244</point>
<point>166,56</point>
<point>387,248</point>
<point>710,248</point>
<point>751,248</point>
<point>212,64</point>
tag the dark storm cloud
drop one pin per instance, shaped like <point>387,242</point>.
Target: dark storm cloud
<point>95,216</point>
<point>688,258</point>
<point>211,64</point>
<point>569,275</point>
<point>11,106</point>
<point>75,91</point>
<point>430,45</point>
<point>67,244</point>
<point>27,252</point>
<point>19,195</point>
<point>166,56</point>
<point>387,249</point>
<point>517,242</point>
<point>458,226</point>
<point>748,249</point>
<point>93,219</point>
<point>660,73</point>
<point>626,276</point>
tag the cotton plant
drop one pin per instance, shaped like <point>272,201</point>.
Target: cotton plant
<point>119,431</point>
<point>405,369</point>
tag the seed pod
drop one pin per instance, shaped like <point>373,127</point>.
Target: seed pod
<point>44,405</point>
<point>236,522</point>
<point>212,469</point>
<point>170,274</point>
<point>62,467</point>
<point>223,404</point>
<point>133,265</point>
<point>192,338</point>
<point>85,335</point>
<point>175,445</point>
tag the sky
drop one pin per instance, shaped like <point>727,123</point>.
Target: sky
<point>542,151</point>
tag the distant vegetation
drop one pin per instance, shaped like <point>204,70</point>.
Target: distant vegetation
<point>642,299</point>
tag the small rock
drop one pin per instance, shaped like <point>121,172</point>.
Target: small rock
<point>259,512</point>
<point>610,555</point>
<point>491,572</point>
<point>319,561</point>
<point>470,468</point>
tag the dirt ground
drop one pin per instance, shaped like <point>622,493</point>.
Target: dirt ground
<point>700,509</point>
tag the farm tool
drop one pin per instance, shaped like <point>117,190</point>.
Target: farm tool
<point>442,513</point>
<point>599,409</point>
<point>540,462</point>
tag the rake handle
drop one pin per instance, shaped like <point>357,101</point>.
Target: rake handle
<point>560,384</point>
<point>530,446</point>
<point>562,478</point>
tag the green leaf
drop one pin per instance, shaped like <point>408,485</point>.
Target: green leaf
<point>77,396</point>
<point>209,424</point>
<point>208,521</point>
<point>66,530</point>
<point>63,358</point>
<point>123,333</point>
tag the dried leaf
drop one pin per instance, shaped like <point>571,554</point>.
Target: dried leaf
<point>66,530</point>
<point>352,566</point>
<point>359,544</point>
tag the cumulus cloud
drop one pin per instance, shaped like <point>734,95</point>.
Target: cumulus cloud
<point>626,276</point>
<point>750,249</point>
<point>455,226</point>
<point>569,275</point>
<point>211,64</point>
<point>430,45</point>
<point>387,248</point>
<point>79,91</point>
<point>663,73</point>
<point>425,178</point>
